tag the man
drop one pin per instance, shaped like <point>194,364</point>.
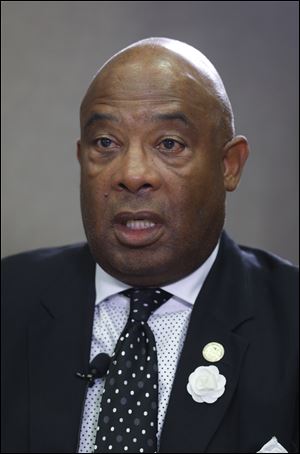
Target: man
<point>201,333</point>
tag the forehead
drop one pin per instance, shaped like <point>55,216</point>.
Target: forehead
<point>144,86</point>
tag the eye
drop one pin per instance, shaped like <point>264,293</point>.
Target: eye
<point>104,142</point>
<point>170,144</point>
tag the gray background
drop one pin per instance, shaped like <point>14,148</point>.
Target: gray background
<point>50,50</point>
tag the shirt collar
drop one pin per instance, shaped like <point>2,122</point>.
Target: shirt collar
<point>186,289</point>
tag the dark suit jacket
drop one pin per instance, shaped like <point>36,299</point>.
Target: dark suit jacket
<point>248,304</point>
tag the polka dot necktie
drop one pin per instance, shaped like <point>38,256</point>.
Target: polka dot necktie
<point>128,412</point>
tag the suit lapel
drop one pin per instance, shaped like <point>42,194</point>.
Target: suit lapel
<point>59,345</point>
<point>223,304</point>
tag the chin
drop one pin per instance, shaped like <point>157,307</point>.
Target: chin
<point>134,267</point>
<point>138,263</point>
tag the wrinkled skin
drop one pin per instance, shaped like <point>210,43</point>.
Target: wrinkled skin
<point>177,168</point>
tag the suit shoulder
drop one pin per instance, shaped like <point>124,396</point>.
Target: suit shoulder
<point>274,272</point>
<point>42,256</point>
<point>267,261</point>
<point>37,267</point>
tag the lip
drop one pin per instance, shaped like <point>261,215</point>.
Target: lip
<point>137,237</point>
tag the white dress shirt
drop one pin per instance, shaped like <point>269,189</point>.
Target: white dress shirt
<point>168,323</point>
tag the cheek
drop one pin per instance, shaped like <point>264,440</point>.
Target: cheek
<point>93,195</point>
<point>199,188</point>
<point>198,200</point>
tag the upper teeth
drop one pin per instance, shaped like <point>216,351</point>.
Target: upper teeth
<point>139,224</point>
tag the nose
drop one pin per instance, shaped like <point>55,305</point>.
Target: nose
<point>136,172</point>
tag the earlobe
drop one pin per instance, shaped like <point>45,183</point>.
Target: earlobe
<point>235,154</point>
<point>78,151</point>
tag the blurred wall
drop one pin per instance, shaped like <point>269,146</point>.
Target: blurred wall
<point>50,50</point>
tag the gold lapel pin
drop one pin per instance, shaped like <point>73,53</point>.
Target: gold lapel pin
<point>213,352</point>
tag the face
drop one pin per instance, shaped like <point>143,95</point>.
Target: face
<point>152,177</point>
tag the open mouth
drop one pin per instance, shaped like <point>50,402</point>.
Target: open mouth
<point>137,229</point>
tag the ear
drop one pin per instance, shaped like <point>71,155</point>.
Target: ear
<point>78,151</point>
<point>235,154</point>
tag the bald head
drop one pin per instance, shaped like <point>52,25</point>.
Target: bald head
<point>162,67</point>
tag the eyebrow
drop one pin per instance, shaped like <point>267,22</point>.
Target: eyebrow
<point>95,117</point>
<point>171,117</point>
<point>99,117</point>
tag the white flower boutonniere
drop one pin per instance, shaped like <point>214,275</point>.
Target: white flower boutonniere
<point>206,384</point>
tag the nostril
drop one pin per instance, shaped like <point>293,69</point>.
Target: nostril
<point>145,187</point>
<point>142,188</point>
<point>122,186</point>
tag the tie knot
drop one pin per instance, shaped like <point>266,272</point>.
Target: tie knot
<point>144,301</point>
